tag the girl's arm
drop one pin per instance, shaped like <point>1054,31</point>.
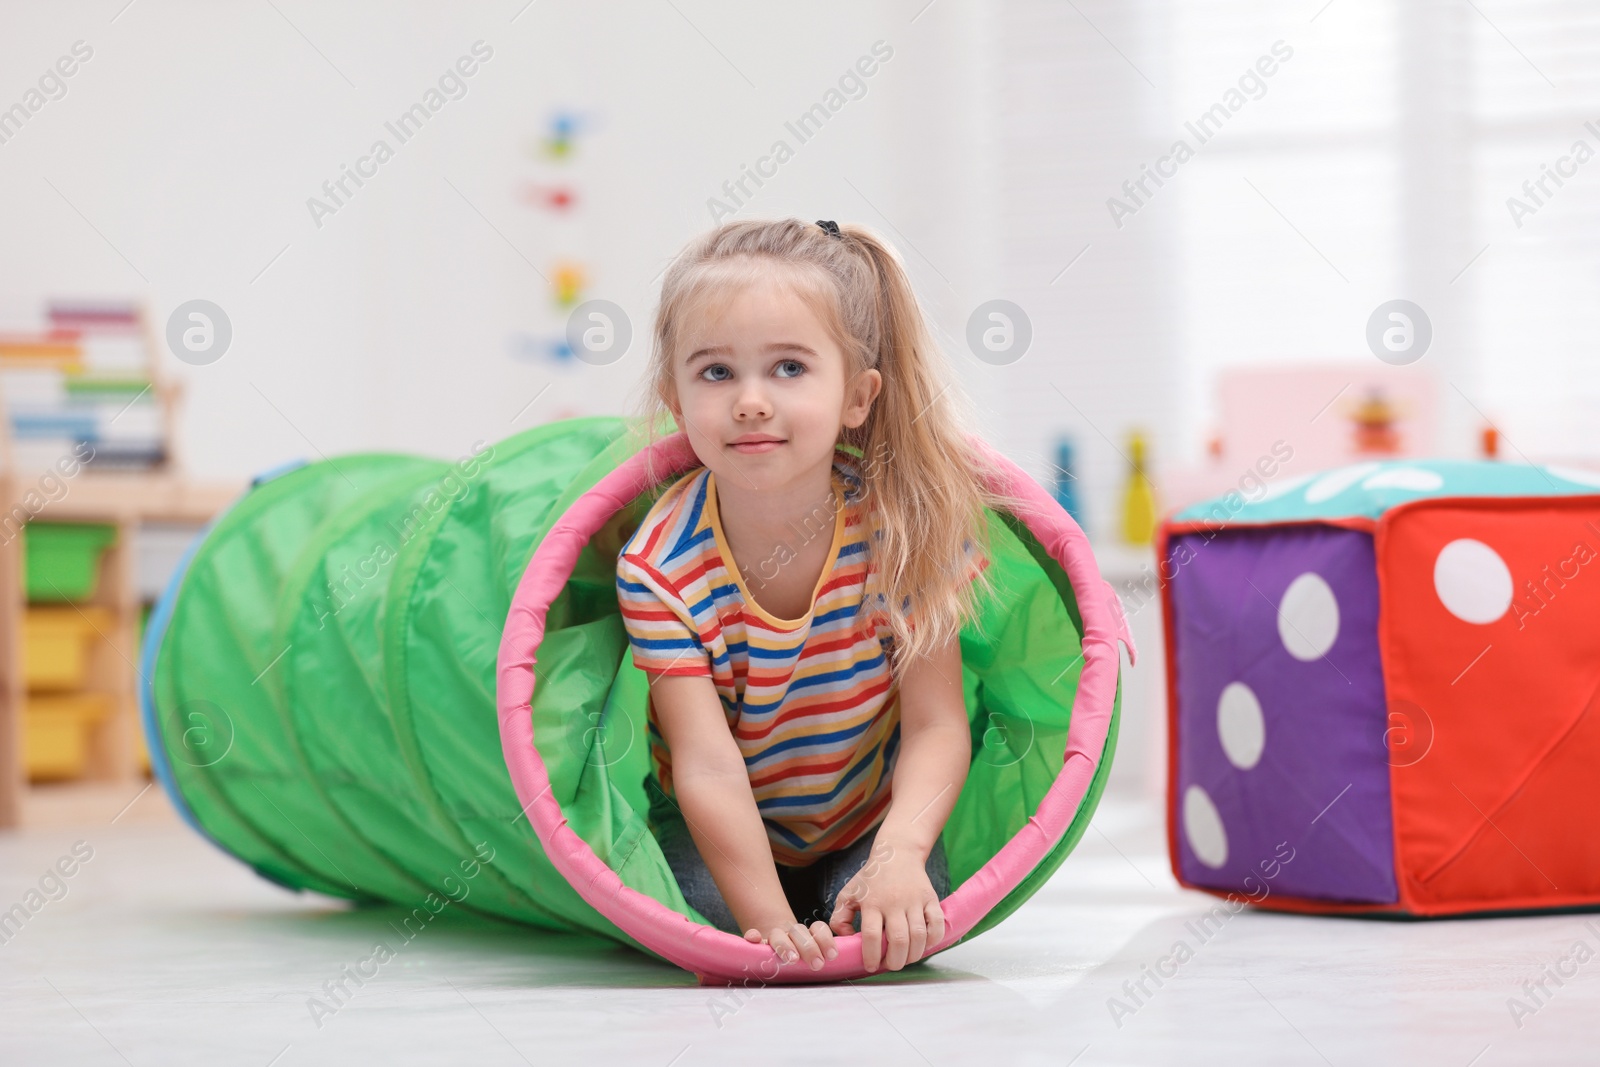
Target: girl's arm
<point>714,795</point>
<point>893,893</point>
<point>935,752</point>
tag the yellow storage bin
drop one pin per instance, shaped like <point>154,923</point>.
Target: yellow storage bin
<point>56,642</point>
<point>56,731</point>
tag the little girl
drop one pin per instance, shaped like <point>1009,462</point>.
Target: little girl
<point>796,601</point>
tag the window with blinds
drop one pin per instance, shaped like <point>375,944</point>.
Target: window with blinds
<point>1373,164</point>
<point>1388,159</point>
<point>1288,226</point>
<point>1534,163</point>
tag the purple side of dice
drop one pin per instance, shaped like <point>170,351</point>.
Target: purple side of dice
<point>1281,714</point>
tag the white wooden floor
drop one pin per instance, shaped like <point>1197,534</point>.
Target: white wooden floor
<point>164,952</point>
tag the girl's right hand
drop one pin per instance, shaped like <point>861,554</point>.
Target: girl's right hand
<point>796,942</point>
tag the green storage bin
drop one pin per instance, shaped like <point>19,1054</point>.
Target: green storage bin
<point>63,558</point>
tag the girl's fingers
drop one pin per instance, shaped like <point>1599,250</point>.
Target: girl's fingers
<point>810,951</point>
<point>899,939</point>
<point>782,946</point>
<point>824,936</point>
<point>871,937</point>
<point>934,915</point>
<point>917,927</point>
<point>843,918</point>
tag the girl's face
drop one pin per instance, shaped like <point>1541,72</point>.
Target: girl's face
<point>761,389</point>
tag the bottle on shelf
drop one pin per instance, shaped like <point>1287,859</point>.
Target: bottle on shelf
<point>1066,478</point>
<point>1138,496</point>
<point>1489,442</point>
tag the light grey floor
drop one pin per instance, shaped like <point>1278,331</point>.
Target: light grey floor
<point>163,951</point>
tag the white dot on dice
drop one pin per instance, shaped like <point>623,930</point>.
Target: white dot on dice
<point>1308,617</point>
<point>1413,478</point>
<point>1202,825</point>
<point>1473,582</point>
<point>1240,726</point>
<point>1335,482</point>
<point>1576,475</point>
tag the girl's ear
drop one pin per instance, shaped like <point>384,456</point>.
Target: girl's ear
<point>670,398</point>
<point>864,390</point>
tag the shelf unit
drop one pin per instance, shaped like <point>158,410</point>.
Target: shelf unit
<point>125,499</point>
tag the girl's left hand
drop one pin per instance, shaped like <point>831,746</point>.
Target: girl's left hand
<point>794,942</point>
<point>894,896</point>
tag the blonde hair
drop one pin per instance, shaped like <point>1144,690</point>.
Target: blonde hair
<point>929,484</point>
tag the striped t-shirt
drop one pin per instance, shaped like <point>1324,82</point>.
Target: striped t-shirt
<point>811,702</point>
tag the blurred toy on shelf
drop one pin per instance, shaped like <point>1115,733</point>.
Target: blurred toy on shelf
<point>1065,481</point>
<point>569,283</point>
<point>558,198</point>
<point>561,141</point>
<point>1138,496</point>
<point>84,374</point>
<point>528,348</point>
<point>1375,422</point>
<point>1277,422</point>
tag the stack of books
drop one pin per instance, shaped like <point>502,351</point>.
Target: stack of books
<point>80,375</point>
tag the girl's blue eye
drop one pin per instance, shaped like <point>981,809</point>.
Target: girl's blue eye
<point>709,374</point>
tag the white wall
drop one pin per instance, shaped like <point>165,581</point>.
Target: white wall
<point>193,137</point>
<point>1076,119</point>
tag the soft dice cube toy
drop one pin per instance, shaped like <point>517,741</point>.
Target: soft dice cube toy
<point>1384,689</point>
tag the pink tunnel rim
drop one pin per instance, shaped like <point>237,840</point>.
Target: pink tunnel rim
<point>713,954</point>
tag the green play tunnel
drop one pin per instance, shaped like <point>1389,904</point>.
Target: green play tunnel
<point>320,694</point>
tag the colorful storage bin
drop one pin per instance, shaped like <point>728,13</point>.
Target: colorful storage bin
<point>55,732</point>
<point>57,642</point>
<point>63,558</point>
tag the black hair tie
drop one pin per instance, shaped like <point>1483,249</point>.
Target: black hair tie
<point>831,227</point>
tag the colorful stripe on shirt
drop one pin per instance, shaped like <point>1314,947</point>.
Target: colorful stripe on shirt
<point>810,702</point>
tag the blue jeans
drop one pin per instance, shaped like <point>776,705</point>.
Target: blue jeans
<point>811,890</point>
